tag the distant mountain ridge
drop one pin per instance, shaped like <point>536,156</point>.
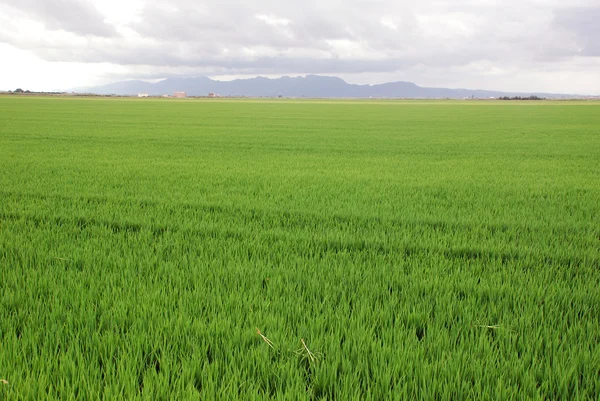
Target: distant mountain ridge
<point>310,86</point>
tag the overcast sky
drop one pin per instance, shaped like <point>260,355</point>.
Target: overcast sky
<point>513,45</point>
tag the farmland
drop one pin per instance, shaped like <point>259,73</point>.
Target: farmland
<point>195,249</point>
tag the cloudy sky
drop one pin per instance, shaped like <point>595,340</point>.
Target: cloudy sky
<point>516,45</point>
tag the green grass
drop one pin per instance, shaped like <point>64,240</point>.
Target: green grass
<point>422,250</point>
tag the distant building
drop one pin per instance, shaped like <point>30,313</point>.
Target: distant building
<point>179,94</point>
<point>212,94</point>
<point>143,95</point>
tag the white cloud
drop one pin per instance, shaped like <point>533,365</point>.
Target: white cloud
<point>273,20</point>
<point>119,12</point>
<point>27,71</point>
<point>389,23</point>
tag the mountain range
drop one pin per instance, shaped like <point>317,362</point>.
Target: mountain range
<point>310,86</point>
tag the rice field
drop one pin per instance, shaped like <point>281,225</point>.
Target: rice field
<point>299,250</point>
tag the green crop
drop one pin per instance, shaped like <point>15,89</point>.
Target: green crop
<point>299,250</point>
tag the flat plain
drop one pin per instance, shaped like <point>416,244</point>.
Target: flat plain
<point>301,250</point>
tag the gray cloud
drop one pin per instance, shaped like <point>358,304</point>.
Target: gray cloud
<point>232,37</point>
<point>80,17</point>
<point>582,25</point>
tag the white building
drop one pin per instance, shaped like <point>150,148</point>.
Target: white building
<point>143,95</point>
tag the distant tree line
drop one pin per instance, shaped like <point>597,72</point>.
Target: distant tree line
<point>521,98</point>
<point>27,91</point>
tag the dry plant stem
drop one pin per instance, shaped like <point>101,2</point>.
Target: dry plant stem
<point>311,356</point>
<point>265,339</point>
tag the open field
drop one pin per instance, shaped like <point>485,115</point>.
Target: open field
<point>185,250</point>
